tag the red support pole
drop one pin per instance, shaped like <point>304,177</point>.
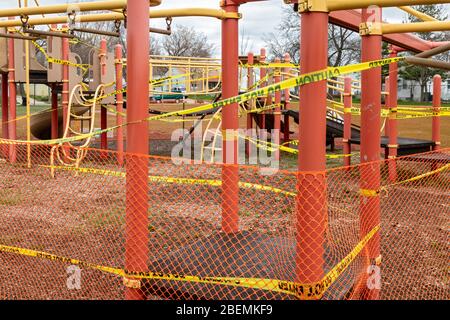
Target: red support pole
<point>103,111</point>
<point>65,81</point>
<point>5,112</point>
<point>386,106</point>
<point>12,101</point>
<point>251,60</point>
<point>437,97</point>
<point>54,112</point>
<point>263,73</point>
<point>137,237</point>
<point>287,101</point>
<point>392,120</point>
<point>230,124</point>
<point>347,120</point>
<point>277,113</point>
<point>311,215</point>
<point>119,103</point>
<point>370,141</point>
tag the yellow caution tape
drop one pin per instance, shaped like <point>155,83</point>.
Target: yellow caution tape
<point>49,59</point>
<point>289,83</point>
<point>273,147</point>
<point>210,182</point>
<point>369,193</point>
<point>286,84</point>
<point>271,65</point>
<point>301,291</point>
<point>61,140</point>
<point>419,177</point>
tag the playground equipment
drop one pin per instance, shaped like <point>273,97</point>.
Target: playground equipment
<point>224,230</point>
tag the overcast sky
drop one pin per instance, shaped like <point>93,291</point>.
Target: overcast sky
<point>259,18</point>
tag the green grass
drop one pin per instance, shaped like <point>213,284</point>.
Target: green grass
<point>9,198</point>
<point>21,111</point>
<point>415,103</point>
<point>10,240</point>
<point>408,103</point>
<point>203,97</point>
<point>115,216</point>
<point>289,161</point>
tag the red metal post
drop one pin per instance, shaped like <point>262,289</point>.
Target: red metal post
<point>54,101</point>
<point>370,140</point>
<point>119,103</point>
<point>65,81</point>
<point>287,100</point>
<point>103,111</point>
<point>230,124</point>
<point>263,73</point>
<point>386,106</point>
<point>250,82</point>
<point>437,97</point>
<point>347,120</point>
<point>54,112</point>
<point>136,245</point>
<point>5,112</point>
<point>311,200</point>
<point>392,120</point>
<point>275,136</point>
<point>12,101</point>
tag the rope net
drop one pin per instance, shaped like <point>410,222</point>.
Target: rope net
<point>102,230</point>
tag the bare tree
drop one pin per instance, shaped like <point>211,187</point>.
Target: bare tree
<point>286,39</point>
<point>245,44</point>
<point>422,74</point>
<point>343,44</point>
<point>186,42</point>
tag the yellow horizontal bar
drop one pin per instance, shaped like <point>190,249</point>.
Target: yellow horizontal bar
<point>154,14</point>
<point>420,15</point>
<point>63,8</point>
<point>182,58</point>
<point>334,5</point>
<point>335,88</point>
<point>429,26</point>
<point>194,12</point>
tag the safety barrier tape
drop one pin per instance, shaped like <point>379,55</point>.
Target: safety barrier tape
<point>270,65</point>
<point>48,110</point>
<point>187,80</point>
<point>154,82</point>
<point>262,109</point>
<point>285,84</point>
<point>210,182</point>
<point>402,113</point>
<point>416,178</point>
<point>301,291</point>
<point>260,81</point>
<point>61,140</point>
<point>270,146</point>
<point>84,67</point>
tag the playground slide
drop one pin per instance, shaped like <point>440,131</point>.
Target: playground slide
<point>335,126</point>
<point>41,123</point>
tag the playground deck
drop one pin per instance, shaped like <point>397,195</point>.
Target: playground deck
<point>406,146</point>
